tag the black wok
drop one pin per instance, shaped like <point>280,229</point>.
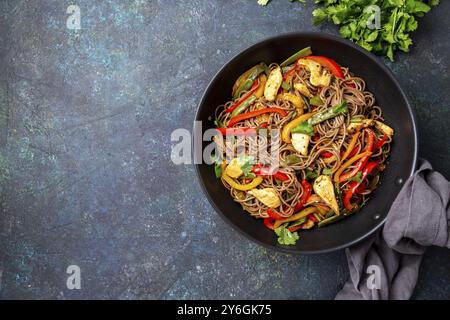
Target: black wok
<point>397,112</point>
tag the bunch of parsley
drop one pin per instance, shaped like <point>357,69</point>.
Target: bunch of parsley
<point>398,18</point>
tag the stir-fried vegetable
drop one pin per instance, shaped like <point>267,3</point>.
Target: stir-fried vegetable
<point>304,213</point>
<point>351,146</point>
<point>329,113</point>
<point>329,64</point>
<point>256,113</point>
<point>305,128</point>
<point>355,185</point>
<point>245,83</point>
<point>369,146</point>
<point>305,190</point>
<point>243,187</point>
<point>358,125</point>
<point>285,236</point>
<point>262,85</point>
<point>302,53</point>
<point>348,163</point>
<point>237,131</point>
<point>295,100</point>
<point>315,101</point>
<point>286,132</point>
<point>265,171</point>
<point>245,98</point>
<point>245,104</point>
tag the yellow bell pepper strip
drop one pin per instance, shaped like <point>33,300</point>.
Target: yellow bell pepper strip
<point>304,213</point>
<point>299,54</point>
<point>286,132</point>
<point>295,100</point>
<point>348,163</point>
<point>260,91</point>
<point>248,82</point>
<point>241,79</point>
<point>288,76</point>
<point>303,89</point>
<point>243,187</point>
<point>351,145</point>
<point>370,135</point>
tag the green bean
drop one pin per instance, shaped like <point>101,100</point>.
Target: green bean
<point>302,53</point>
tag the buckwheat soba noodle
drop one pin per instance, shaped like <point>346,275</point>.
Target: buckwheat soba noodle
<point>333,143</point>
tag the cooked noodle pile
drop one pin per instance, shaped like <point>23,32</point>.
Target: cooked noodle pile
<point>331,138</point>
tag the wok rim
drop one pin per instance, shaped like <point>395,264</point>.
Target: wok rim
<point>375,60</point>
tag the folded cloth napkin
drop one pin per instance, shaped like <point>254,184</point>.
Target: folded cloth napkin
<point>419,217</point>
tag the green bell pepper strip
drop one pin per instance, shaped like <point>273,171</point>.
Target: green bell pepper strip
<point>302,53</point>
<point>247,83</point>
<point>336,217</point>
<point>244,105</point>
<point>328,113</point>
<point>315,101</point>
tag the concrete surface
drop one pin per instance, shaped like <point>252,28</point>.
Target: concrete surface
<point>85,171</point>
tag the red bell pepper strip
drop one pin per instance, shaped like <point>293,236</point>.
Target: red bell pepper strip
<point>355,187</point>
<point>269,223</point>
<point>274,215</point>
<point>353,152</point>
<point>237,131</point>
<point>362,162</point>
<point>328,63</point>
<point>291,71</point>
<point>326,154</point>
<point>307,189</point>
<point>296,228</point>
<point>380,143</point>
<point>301,226</point>
<point>315,137</point>
<point>245,97</point>
<point>256,113</point>
<point>265,171</point>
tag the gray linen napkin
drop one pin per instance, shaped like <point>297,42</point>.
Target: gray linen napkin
<point>419,217</point>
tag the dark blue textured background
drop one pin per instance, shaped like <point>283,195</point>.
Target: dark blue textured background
<point>85,170</point>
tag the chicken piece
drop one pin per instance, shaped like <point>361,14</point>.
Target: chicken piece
<point>300,142</point>
<point>323,187</point>
<point>303,89</point>
<point>273,84</point>
<point>267,196</point>
<point>384,128</point>
<point>234,168</point>
<point>320,77</point>
<point>364,123</point>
